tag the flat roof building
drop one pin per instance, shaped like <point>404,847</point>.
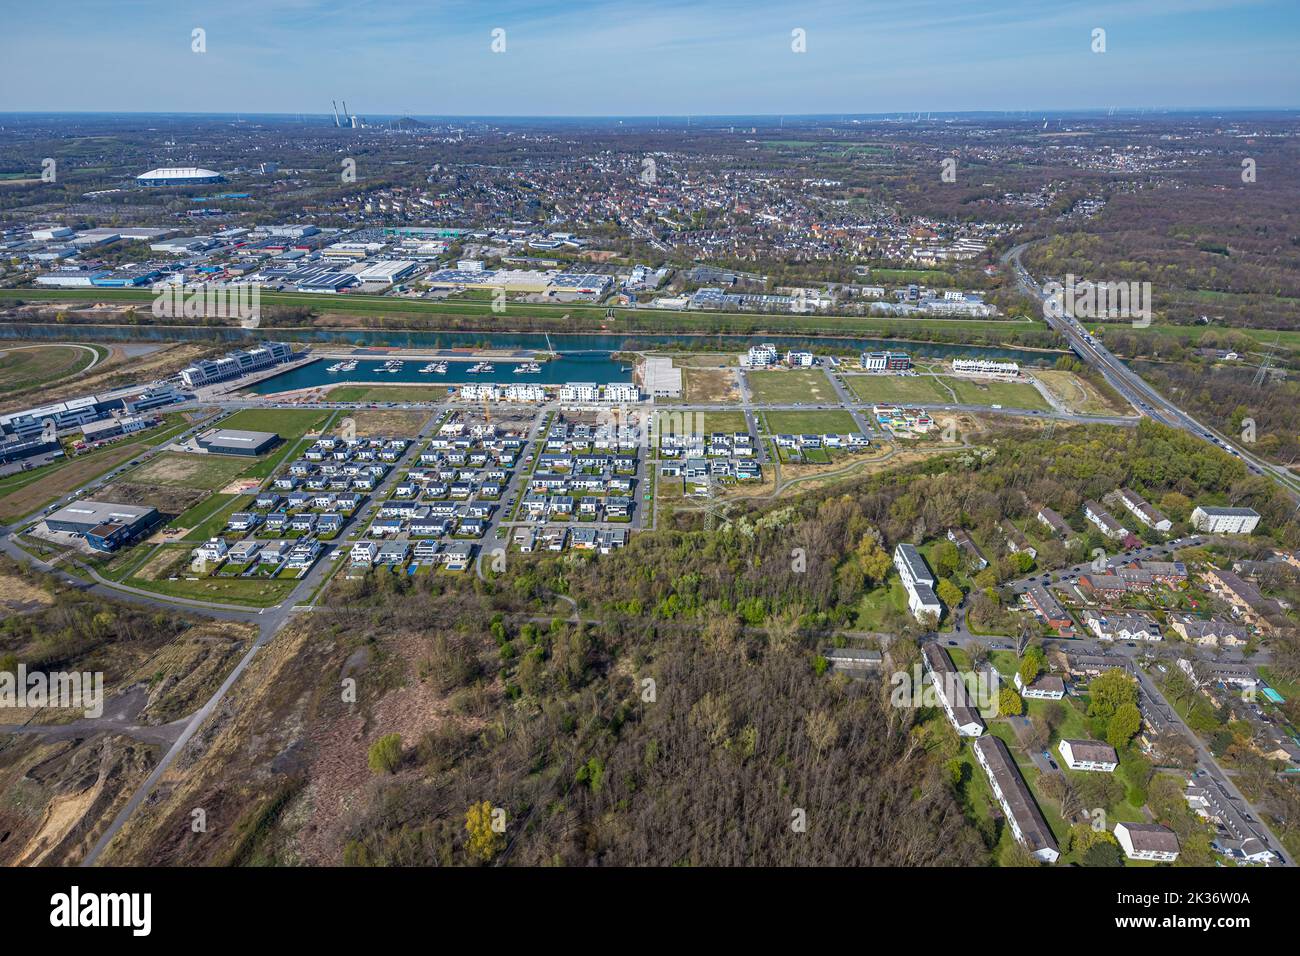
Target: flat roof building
<point>106,526</point>
<point>232,441</point>
<point>1224,520</point>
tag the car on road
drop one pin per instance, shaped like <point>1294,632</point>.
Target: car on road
<point>952,643</point>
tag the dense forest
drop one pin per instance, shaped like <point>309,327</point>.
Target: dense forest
<point>1228,398</point>
<point>681,716</point>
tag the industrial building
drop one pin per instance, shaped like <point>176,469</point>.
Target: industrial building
<point>178,176</point>
<point>14,448</point>
<point>389,271</point>
<point>76,412</point>
<point>113,427</point>
<point>105,526</point>
<point>231,441</point>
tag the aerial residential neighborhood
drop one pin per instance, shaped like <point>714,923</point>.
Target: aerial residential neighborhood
<point>488,436</point>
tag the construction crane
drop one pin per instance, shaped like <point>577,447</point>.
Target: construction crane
<point>335,104</point>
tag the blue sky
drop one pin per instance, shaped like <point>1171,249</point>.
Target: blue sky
<point>646,57</point>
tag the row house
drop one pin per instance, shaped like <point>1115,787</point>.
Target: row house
<point>1047,607</point>
<point>1246,600</point>
<point>1017,543</point>
<point>1122,626</point>
<point>1104,521</point>
<point>1213,632</point>
<point>1218,672</point>
<point>1055,523</point>
<point>973,557</point>
<point>1143,510</point>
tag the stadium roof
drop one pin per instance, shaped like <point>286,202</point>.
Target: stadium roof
<point>179,172</point>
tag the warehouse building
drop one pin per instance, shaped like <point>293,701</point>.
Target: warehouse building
<point>76,412</point>
<point>232,441</point>
<point>105,526</point>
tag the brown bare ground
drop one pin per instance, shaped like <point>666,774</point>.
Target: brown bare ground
<point>74,474</point>
<point>389,423</point>
<point>709,385</point>
<point>18,595</point>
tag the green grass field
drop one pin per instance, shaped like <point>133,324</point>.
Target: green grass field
<point>208,518</point>
<point>1006,394</point>
<point>563,317</point>
<point>208,472</point>
<point>897,389</point>
<point>791,385</point>
<point>288,423</point>
<point>837,422</point>
<point>257,592</point>
<point>24,367</point>
<point>673,423</point>
<point>875,604</point>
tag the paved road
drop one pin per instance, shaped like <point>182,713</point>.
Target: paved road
<point>1133,387</point>
<point>1211,766</point>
